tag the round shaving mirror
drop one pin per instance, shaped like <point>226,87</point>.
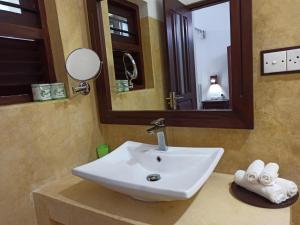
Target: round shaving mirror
<point>82,65</point>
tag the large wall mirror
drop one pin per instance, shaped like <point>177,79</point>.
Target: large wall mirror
<point>188,61</point>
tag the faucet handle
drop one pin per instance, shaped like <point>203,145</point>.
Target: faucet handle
<point>159,122</point>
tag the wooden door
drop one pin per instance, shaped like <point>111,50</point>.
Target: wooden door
<point>179,32</point>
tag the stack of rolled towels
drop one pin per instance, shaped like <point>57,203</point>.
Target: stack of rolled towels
<point>263,180</point>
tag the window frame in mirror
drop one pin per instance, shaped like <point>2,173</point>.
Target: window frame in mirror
<point>241,116</point>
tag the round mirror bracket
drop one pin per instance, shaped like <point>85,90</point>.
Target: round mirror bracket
<point>82,65</point>
<point>83,88</point>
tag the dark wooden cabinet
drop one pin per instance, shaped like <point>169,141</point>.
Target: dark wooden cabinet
<point>216,104</point>
<point>25,50</point>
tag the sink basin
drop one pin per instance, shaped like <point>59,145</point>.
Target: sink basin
<point>144,173</point>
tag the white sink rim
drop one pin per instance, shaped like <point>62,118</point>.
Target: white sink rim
<point>147,191</point>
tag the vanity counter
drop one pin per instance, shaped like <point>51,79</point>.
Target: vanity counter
<point>73,201</point>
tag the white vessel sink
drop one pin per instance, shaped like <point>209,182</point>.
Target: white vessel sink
<point>182,171</point>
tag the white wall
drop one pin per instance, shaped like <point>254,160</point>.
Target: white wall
<point>151,8</point>
<point>154,8</point>
<point>187,2</point>
<point>211,52</point>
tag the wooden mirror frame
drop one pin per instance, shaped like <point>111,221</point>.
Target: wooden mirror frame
<point>241,115</point>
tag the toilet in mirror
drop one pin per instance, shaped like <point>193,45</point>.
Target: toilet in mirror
<point>181,61</point>
<point>83,65</point>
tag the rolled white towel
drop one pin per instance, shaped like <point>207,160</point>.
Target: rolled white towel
<point>269,174</point>
<point>254,170</point>
<point>290,187</point>
<point>274,193</point>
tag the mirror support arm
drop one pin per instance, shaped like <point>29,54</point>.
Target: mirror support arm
<point>83,88</point>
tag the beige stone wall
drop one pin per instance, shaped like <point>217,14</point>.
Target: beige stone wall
<point>42,141</point>
<point>276,136</point>
<point>153,96</point>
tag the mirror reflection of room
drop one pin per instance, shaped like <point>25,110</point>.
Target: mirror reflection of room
<point>125,29</point>
<point>149,70</point>
<point>212,41</point>
<point>198,41</point>
<point>137,65</point>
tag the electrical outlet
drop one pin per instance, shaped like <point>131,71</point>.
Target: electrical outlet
<point>275,62</point>
<point>293,60</point>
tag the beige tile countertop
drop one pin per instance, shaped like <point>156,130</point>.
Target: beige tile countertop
<point>73,201</point>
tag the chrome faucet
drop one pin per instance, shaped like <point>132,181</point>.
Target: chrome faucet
<point>160,131</point>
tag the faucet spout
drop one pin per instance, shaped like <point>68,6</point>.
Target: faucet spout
<point>152,130</point>
<point>159,130</point>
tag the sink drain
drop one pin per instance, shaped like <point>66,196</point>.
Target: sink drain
<point>153,177</point>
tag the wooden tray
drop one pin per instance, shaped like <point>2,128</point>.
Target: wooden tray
<point>253,199</point>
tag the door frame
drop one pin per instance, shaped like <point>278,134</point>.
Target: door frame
<point>240,117</point>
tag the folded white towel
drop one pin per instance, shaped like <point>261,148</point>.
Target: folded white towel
<point>254,170</point>
<point>274,193</point>
<point>290,187</point>
<point>269,174</point>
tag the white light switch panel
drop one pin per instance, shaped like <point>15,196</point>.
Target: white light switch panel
<point>275,62</point>
<point>293,60</point>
